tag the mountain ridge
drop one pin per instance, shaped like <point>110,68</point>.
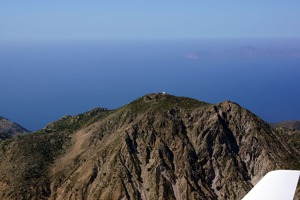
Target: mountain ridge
<point>292,124</point>
<point>157,147</point>
<point>10,129</point>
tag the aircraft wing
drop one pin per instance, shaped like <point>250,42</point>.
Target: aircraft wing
<point>275,185</point>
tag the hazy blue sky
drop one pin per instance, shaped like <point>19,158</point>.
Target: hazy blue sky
<point>131,19</point>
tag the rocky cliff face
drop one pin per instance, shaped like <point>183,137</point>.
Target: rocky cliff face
<point>157,147</point>
<point>8,129</point>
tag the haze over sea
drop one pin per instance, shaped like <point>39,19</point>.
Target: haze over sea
<point>43,81</point>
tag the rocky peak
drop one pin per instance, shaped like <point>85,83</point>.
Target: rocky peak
<point>8,129</point>
<point>157,147</point>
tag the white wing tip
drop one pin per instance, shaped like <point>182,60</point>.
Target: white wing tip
<point>275,185</point>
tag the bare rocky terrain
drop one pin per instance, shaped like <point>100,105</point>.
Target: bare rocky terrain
<point>157,147</point>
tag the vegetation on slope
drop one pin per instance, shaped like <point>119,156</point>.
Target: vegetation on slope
<point>25,159</point>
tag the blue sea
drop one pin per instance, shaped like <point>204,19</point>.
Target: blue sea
<point>43,81</point>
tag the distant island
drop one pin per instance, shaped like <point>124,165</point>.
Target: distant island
<point>246,51</point>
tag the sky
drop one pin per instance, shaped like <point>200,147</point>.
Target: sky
<point>35,20</point>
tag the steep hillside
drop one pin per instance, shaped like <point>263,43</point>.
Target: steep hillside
<point>290,130</point>
<point>8,129</point>
<point>157,147</point>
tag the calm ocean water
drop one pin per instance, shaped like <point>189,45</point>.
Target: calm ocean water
<point>41,82</point>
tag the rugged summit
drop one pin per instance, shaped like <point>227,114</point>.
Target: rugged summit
<point>8,129</point>
<point>157,147</point>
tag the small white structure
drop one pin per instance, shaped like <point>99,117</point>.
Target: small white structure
<point>276,185</point>
<point>164,93</point>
